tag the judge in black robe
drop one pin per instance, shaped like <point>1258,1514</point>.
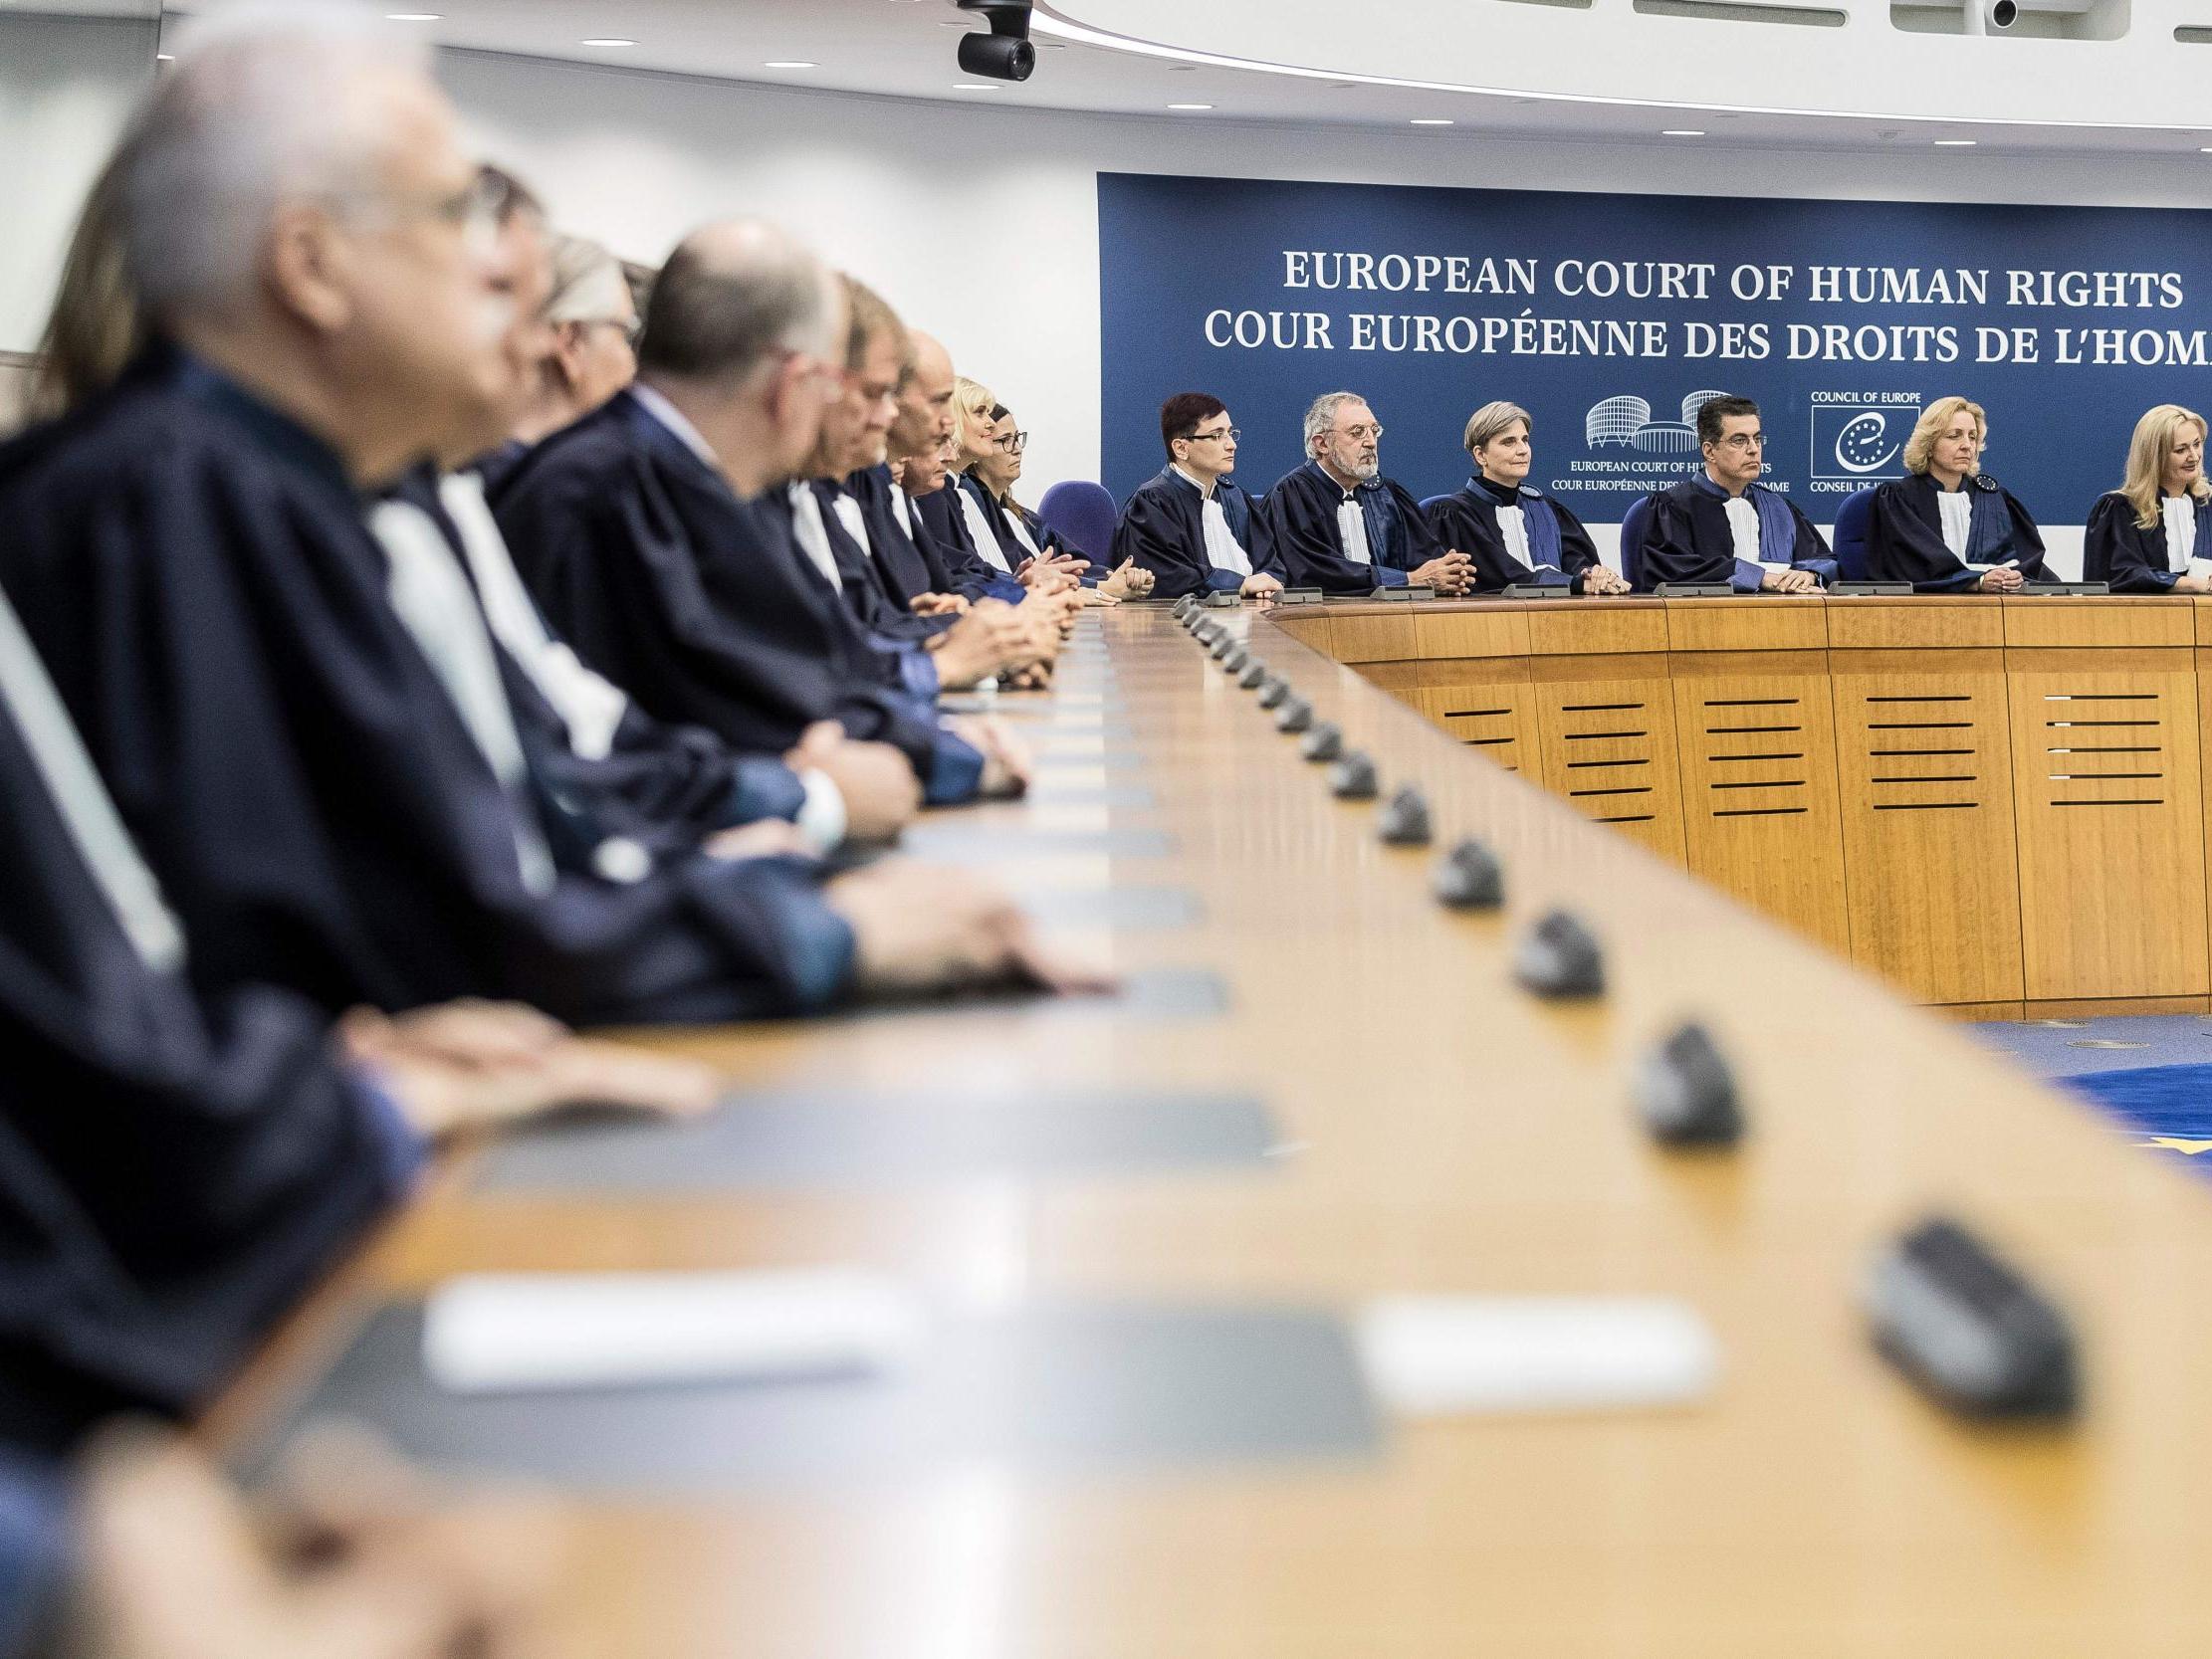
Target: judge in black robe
<point>907,555</point>
<point>665,785</point>
<point>194,566</point>
<point>1909,539</point>
<point>1691,539</point>
<point>696,603</point>
<point>876,576</point>
<point>1021,534</point>
<point>1303,514</point>
<point>974,575</point>
<point>1559,551</point>
<point>1163,528</point>
<point>2163,559</point>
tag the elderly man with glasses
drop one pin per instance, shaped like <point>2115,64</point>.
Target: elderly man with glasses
<point>1340,525</point>
<point>1723,525</point>
<point>1193,530</point>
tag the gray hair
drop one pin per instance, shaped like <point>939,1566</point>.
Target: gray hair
<point>733,294</point>
<point>1490,421</point>
<point>589,283</point>
<point>1321,414</point>
<point>261,106</point>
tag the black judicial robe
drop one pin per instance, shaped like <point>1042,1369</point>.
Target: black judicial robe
<point>1301,514</point>
<point>2118,550</point>
<point>1163,528</point>
<point>34,1553</point>
<point>176,1170</point>
<point>1689,539</point>
<point>866,593</point>
<point>1467,520</point>
<point>973,575</point>
<point>1904,534</point>
<point>495,467</point>
<point>999,517</point>
<point>195,569</point>
<point>691,601</point>
<point>907,567</point>
<point>666,786</point>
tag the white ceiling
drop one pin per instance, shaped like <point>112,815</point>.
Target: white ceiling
<point>1725,78</point>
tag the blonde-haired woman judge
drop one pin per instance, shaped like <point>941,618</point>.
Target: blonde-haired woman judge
<point>1948,527</point>
<point>2154,535</point>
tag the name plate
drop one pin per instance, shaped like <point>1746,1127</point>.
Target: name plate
<point>1300,596</point>
<point>1533,590</point>
<point>1695,590</point>
<point>1222,601</point>
<point>1859,590</point>
<point>1403,593</point>
<point>2067,588</point>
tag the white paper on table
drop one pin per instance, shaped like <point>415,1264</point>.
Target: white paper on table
<point>1449,1356</point>
<point>2199,568</point>
<point>497,1332</point>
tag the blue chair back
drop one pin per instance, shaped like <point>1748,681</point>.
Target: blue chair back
<point>1083,514</point>
<point>1429,503</point>
<point>1850,536</point>
<point>1635,526</point>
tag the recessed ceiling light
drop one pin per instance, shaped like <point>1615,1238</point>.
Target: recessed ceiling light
<point>605,40</point>
<point>790,62</point>
<point>2204,149</point>
<point>1434,120</point>
<point>165,57</point>
<point>979,85</point>
<point>1956,143</point>
<point>1682,133</point>
<point>1189,107</point>
<point>412,17</point>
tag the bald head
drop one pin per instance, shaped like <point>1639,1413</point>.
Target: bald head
<point>734,299</point>
<point>925,417</point>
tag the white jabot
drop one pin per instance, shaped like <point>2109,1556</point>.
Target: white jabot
<point>434,601</point>
<point>1957,508</point>
<point>908,510</point>
<point>813,534</point>
<point>590,706</point>
<point>978,527</point>
<point>855,521</point>
<point>1743,532</point>
<point>1222,550</point>
<point>1351,532</point>
<point>1020,531</point>
<point>2182,537</point>
<point>88,811</point>
<point>1512,529</point>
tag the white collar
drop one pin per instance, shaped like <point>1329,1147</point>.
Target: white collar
<point>1206,490</point>
<point>658,406</point>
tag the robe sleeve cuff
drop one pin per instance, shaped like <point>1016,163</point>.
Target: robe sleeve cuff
<point>1386,577</point>
<point>763,789</point>
<point>956,771</point>
<point>33,1553</point>
<point>918,672</point>
<point>1750,578</point>
<point>819,952</point>
<point>400,1149</point>
<point>1223,581</point>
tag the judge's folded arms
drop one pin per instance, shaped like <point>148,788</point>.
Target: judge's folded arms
<point>334,771</point>
<point>1340,525</point>
<point>1723,525</point>
<point>2154,535</point>
<point>1948,527</point>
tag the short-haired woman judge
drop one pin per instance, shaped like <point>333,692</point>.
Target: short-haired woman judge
<point>2154,535</point>
<point>1511,532</point>
<point>1948,527</point>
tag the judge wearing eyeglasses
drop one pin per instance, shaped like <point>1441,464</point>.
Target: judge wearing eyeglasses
<point>1723,525</point>
<point>1190,527</point>
<point>1340,525</point>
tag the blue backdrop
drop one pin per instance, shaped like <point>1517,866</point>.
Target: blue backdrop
<point>1611,316</point>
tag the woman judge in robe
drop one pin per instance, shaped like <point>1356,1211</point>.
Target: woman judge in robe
<point>1946,526</point>
<point>1513,534</point>
<point>2154,535</point>
<point>1023,536</point>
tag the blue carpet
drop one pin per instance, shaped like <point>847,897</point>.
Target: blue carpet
<point>2150,1074</point>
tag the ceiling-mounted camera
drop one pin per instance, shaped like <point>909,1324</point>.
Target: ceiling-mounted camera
<point>1006,52</point>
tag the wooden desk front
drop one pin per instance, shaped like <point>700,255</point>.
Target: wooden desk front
<point>1997,805</point>
<point>1442,1132</point>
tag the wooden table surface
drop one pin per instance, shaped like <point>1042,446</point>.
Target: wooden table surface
<point>1442,1132</point>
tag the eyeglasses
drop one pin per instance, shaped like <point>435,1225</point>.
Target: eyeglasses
<point>1228,432</point>
<point>633,328</point>
<point>1014,443</point>
<point>1744,441</point>
<point>1360,434</point>
<point>475,208</point>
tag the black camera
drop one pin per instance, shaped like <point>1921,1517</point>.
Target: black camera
<point>1006,52</point>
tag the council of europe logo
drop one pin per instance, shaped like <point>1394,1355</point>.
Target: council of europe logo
<point>1853,441</point>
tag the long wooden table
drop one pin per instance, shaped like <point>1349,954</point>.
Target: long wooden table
<point>1442,1132</point>
<point>1998,804</point>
